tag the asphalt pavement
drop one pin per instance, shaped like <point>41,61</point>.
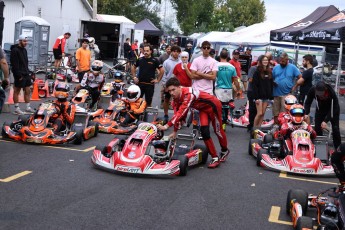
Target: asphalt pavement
<point>57,187</point>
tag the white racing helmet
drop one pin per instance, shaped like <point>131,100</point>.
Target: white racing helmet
<point>133,93</point>
<point>96,66</point>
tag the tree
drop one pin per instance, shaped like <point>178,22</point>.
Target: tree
<point>218,15</point>
<point>135,10</point>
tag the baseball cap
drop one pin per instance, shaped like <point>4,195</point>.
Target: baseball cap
<point>235,52</point>
<point>21,37</point>
<point>249,48</point>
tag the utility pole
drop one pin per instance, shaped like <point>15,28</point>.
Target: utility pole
<point>94,12</point>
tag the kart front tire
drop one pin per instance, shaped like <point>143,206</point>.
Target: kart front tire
<point>103,149</point>
<point>259,156</point>
<point>183,165</point>
<point>92,123</point>
<point>3,133</point>
<point>251,142</point>
<point>304,222</point>
<point>268,138</point>
<point>204,152</point>
<point>299,196</point>
<point>79,135</point>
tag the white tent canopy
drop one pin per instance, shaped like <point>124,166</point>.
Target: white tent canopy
<point>256,34</point>
<point>213,36</point>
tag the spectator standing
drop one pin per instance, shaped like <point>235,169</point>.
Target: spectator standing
<point>284,76</point>
<point>165,55</point>
<point>226,76</point>
<point>146,79</point>
<point>20,69</point>
<point>182,70</point>
<point>188,49</point>
<point>83,58</point>
<point>59,48</point>
<point>143,43</point>
<point>315,63</point>
<point>135,50</point>
<point>163,45</point>
<point>204,70</point>
<point>252,105</point>
<point>234,61</point>
<point>4,78</point>
<point>262,89</point>
<point>305,82</point>
<point>127,49</point>
<point>327,109</point>
<point>168,67</point>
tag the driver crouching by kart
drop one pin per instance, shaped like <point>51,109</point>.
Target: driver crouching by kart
<point>66,110</point>
<point>94,80</point>
<point>136,105</point>
<point>296,122</point>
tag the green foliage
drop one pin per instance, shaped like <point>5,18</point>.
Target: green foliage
<point>135,10</point>
<point>217,15</point>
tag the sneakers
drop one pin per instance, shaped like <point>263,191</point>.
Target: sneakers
<point>29,110</point>
<point>17,111</point>
<point>214,163</point>
<point>224,155</point>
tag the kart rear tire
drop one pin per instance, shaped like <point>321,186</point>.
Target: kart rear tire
<point>259,156</point>
<point>79,136</point>
<point>3,133</point>
<point>183,164</point>
<point>268,138</point>
<point>300,196</point>
<point>24,119</point>
<point>251,142</point>
<point>92,123</point>
<point>304,222</point>
<point>204,153</point>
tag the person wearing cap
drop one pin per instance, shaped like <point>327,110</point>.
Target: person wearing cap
<point>327,109</point>
<point>83,59</point>
<point>235,62</point>
<point>59,48</point>
<point>21,74</point>
<point>284,76</point>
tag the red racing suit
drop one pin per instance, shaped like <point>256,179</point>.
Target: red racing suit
<point>210,109</point>
<point>287,128</point>
<point>64,116</point>
<point>283,117</point>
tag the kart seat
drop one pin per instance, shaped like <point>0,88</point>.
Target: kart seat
<point>159,144</point>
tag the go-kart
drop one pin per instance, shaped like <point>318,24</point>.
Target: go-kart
<point>296,154</point>
<point>147,152</point>
<point>38,129</point>
<point>82,101</point>
<point>329,205</point>
<point>240,117</point>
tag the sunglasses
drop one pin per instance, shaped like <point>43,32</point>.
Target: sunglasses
<point>206,47</point>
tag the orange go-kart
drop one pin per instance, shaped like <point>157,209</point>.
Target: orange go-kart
<point>38,129</point>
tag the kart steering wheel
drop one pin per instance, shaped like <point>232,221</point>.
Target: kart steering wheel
<point>159,135</point>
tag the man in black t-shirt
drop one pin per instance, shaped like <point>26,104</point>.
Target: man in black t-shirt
<point>305,82</point>
<point>146,79</point>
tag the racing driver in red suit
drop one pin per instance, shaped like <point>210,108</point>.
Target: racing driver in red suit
<point>210,109</point>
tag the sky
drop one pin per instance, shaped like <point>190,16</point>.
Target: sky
<point>286,12</point>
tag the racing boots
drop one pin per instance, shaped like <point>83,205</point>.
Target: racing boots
<point>29,110</point>
<point>224,155</point>
<point>214,163</point>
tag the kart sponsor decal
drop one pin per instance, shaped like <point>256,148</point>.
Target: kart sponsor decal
<point>183,146</point>
<point>123,168</point>
<point>303,170</point>
<point>34,140</point>
<point>131,155</point>
<point>150,131</point>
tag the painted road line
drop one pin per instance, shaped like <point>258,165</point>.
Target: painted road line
<point>57,147</point>
<point>284,175</point>
<point>14,177</point>
<point>274,216</point>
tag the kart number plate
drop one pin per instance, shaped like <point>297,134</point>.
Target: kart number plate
<point>127,169</point>
<point>31,140</point>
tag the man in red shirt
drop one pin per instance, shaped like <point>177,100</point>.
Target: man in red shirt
<point>59,48</point>
<point>210,109</point>
<point>234,61</point>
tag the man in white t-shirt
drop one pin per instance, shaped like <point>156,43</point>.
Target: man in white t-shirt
<point>204,70</point>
